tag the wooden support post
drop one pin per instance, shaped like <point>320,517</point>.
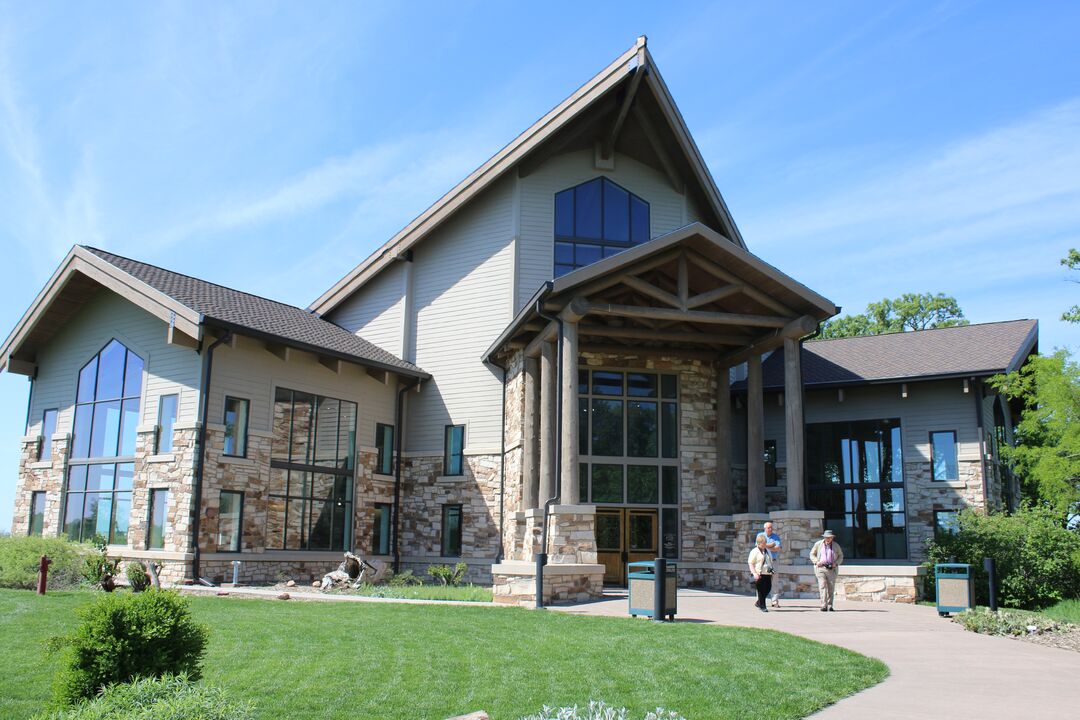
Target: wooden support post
<point>723,441</point>
<point>755,441</point>
<point>548,409</point>
<point>794,430</point>
<point>569,470</point>
<point>530,471</point>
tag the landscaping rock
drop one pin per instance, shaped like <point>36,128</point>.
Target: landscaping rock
<point>291,583</point>
<point>316,583</point>
<point>283,596</point>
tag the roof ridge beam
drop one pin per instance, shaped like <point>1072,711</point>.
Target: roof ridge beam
<point>584,307</point>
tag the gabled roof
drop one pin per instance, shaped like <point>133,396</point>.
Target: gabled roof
<point>965,351</point>
<point>615,77</point>
<point>186,304</point>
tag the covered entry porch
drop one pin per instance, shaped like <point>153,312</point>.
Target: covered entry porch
<point>625,408</point>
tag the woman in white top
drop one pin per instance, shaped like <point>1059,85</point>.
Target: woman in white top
<point>761,567</point>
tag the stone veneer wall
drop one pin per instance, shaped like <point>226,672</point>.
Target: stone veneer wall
<point>924,496</point>
<point>34,476</point>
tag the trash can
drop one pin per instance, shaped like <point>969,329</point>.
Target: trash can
<point>955,588</point>
<point>642,589</point>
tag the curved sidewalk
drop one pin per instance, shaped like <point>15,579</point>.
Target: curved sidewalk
<point>937,669</point>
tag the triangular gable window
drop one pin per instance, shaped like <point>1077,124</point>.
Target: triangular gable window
<point>595,220</point>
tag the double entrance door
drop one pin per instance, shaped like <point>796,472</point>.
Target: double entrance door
<point>625,535</point>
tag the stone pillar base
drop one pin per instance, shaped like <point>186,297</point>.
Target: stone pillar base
<point>572,535</point>
<point>514,583</point>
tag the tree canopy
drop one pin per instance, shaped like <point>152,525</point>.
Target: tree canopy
<point>1072,261</point>
<point>910,311</point>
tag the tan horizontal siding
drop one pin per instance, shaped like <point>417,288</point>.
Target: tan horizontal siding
<point>376,312</point>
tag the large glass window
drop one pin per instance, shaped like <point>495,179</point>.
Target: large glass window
<point>98,496</point>
<point>167,407</point>
<point>48,429</point>
<point>454,450</point>
<point>159,508</point>
<point>311,472</point>
<point>451,531</point>
<point>629,442</point>
<point>855,473</point>
<point>595,220</point>
<point>380,540</point>
<point>943,460</point>
<point>37,513</point>
<point>230,521</point>
<point>384,444</point>
<point>236,426</point>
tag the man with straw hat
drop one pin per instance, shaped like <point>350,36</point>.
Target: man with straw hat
<point>826,557</point>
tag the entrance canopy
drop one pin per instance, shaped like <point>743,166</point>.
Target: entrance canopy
<point>687,292</point>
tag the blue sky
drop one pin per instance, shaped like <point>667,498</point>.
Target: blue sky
<point>868,149</point>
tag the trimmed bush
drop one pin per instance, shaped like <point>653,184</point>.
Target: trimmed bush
<point>172,697</point>
<point>124,636</point>
<point>1038,558</point>
<point>19,558</point>
<point>137,578</point>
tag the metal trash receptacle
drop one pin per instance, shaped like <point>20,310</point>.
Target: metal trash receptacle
<point>641,589</point>
<point>955,588</point>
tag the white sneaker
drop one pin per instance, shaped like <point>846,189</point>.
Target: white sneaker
<point>775,603</point>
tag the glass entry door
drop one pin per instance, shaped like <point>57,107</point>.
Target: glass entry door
<point>625,535</point>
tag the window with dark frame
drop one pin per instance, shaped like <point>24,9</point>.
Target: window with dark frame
<point>384,444</point>
<point>944,464</point>
<point>101,467</point>
<point>770,463</point>
<point>230,529</point>
<point>236,426</point>
<point>595,220</point>
<point>48,429</point>
<point>451,531</point>
<point>454,450</point>
<point>37,513</point>
<point>167,408</point>
<point>312,455</point>
<point>946,522</point>
<point>380,537</point>
<point>159,510</point>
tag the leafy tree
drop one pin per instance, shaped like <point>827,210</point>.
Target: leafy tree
<point>1072,261</point>
<point>910,311</point>
<point>1047,454</point>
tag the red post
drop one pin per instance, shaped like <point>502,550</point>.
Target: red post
<point>43,574</point>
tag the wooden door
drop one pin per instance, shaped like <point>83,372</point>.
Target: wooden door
<point>642,534</point>
<point>609,544</point>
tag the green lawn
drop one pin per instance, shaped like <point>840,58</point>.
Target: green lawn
<point>1065,611</point>
<point>356,660</point>
<point>470,593</point>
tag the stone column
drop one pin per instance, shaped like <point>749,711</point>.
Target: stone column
<point>793,424</point>
<point>755,440</point>
<point>723,441</point>
<point>530,471</point>
<point>569,470</point>
<point>548,409</point>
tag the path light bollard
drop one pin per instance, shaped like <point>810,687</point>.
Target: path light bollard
<point>659,589</point>
<point>235,572</point>
<point>43,574</point>
<point>990,566</point>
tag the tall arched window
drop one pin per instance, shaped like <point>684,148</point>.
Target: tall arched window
<point>102,462</point>
<point>595,220</point>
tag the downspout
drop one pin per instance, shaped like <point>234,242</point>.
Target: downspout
<point>541,558</point>
<point>200,459</point>
<point>399,426</point>
<point>977,391</point>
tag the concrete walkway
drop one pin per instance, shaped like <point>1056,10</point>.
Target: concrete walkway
<point>937,669</point>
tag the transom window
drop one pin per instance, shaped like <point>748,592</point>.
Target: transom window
<point>595,220</point>
<point>311,472</point>
<point>855,475</point>
<point>628,440</point>
<point>98,498</point>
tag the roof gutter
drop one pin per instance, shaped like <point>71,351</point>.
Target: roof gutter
<point>200,459</point>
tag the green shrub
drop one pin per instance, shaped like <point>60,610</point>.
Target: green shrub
<point>100,570</point>
<point>1038,558</point>
<point>19,558</point>
<point>125,636</point>
<point>1007,622</point>
<point>403,579</point>
<point>137,578</point>
<point>448,575</point>
<point>172,697</point>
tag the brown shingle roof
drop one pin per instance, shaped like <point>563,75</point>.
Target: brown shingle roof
<point>970,350</point>
<point>242,311</point>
